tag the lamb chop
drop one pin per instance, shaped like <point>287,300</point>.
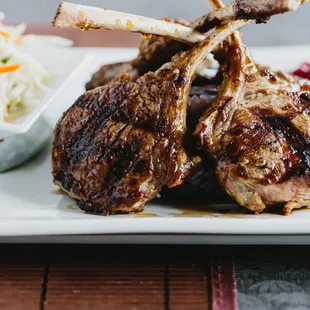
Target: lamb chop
<point>258,131</point>
<point>202,182</point>
<point>119,144</point>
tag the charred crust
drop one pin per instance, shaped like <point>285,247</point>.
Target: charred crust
<point>298,160</point>
<point>93,208</point>
<point>244,11</point>
<point>206,24</point>
<point>58,12</point>
<point>306,96</point>
<point>179,80</point>
<point>243,137</point>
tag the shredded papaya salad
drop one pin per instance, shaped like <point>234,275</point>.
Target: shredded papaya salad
<point>22,77</point>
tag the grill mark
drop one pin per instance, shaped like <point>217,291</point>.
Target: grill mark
<point>107,151</point>
<point>93,148</point>
<point>126,173</point>
<point>108,148</point>
<point>116,180</point>
<point>298,163</point>
<point>89,124</point>
<point>76,186</point>
<point>105,182</point>
<point>76,151</point>
<point>110,176</point>
<point>71,144</point>
<point>241,138</point>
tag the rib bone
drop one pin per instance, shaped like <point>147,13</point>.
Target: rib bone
<point>247,9</point>
<point>70,15</point>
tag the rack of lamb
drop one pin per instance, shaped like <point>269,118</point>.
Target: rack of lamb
<point>123,142</point>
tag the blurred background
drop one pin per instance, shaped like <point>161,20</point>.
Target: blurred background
<point>289,29</point>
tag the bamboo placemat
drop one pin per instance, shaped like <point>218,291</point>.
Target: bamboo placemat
<point>116,277</point>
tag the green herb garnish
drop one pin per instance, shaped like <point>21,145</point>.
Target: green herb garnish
<point>6,60</point>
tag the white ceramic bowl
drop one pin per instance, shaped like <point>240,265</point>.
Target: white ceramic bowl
<point>27,135</point>
<point>16,149</point>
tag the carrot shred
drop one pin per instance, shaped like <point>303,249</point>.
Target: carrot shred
<point>19,40</point>
<point>6,35</point>
<point>9,68</point>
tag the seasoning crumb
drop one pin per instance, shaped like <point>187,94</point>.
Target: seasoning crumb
<point>129,24</point>
<point>118,22</point>
<point>147,36</point>
<point>177,32</point>
<point>85,26</point>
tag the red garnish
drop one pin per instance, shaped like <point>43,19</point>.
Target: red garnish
<point>303,71</point>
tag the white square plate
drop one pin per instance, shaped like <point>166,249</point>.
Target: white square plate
<point>33,210</point>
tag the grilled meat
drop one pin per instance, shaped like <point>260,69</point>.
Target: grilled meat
<point>258,131</point>
<point>119,144</point>
<point>110,73</point>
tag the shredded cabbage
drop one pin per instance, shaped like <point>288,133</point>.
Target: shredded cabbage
<point>22,77</point>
